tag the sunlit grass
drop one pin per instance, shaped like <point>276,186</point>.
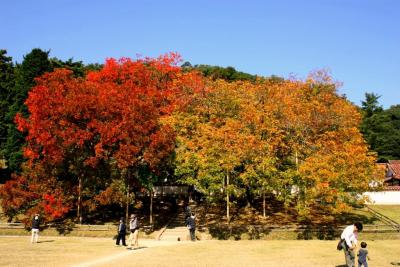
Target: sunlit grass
<point>67,251</point>
<point>391,211</point>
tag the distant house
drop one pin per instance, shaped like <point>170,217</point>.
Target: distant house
<point>390,195</point>
<point>392,177</point>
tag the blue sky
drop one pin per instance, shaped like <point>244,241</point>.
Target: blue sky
<point>357,40</point>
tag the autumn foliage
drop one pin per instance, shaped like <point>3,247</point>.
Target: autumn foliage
<point>88,127</point>
<point>297,140</point>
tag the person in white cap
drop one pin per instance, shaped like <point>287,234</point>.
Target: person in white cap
<point>134,228</point>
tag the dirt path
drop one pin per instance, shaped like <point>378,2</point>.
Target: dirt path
<point>145,244</point>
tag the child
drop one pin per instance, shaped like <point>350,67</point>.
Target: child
<point>363,255</point>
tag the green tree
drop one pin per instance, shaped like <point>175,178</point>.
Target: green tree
<point>34,64</point>
<point>381,128</point>
<point>6,85</point>
<point>371,105</point>
<point>77,67</point>
<point>382,132</point>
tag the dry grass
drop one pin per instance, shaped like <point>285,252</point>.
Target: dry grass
<point>67,251</point>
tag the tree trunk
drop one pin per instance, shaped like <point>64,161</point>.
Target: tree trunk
<point>151,207</point>
<point>227,197</point>
<point>264,215</point>
<point>127,203</point>
<point>79,212</point>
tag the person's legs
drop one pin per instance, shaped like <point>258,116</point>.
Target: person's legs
<point>130,240</point>
<point>135,239</point>
<point>123,239</point>
<point>118,239</point>
<point>193,234</point>
<point>349,257</point>
<point>33,235</point>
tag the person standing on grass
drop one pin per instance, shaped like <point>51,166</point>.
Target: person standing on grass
<point>191,225</point>
<point>35,228</point>
<point>349,239</point>
<point>363,255</point>
<point>121,232</point>
<point>134,228</point>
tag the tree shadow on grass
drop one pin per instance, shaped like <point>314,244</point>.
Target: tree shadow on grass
<point>250,232</point>
<point>65,228</point>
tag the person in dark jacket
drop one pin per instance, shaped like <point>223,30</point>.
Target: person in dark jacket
<point>121,232</point>
<point>35,228</point>
<point>191,225</point>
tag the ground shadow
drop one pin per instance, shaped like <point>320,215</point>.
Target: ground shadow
<point>140,247</point>
<point>250,232</point>
<point>65,228</point>
<point>45,241</point>
<point>322,232</point>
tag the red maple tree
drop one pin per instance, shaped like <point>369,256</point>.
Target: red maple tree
<point>112,118</point>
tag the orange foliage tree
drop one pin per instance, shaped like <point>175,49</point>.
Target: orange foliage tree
<point>298,140</point>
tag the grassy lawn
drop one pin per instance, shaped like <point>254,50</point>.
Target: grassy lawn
<point>391,211</point>
<point>73,251</point>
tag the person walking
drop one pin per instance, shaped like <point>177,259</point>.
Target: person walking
<point>363,255</point>
<point>134,228</point>
<point>191,225</point>
<point>121,232</point>
<point>35,228</point>
<point>349,238</point>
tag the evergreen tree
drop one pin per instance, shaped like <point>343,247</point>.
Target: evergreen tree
<point>381,128</point>
<point>34,64</point>
<point>76,66</point>
<point>371,105</point>
<point>6,85</point>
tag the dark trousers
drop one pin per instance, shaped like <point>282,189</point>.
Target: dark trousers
<point>121,237</point>
<point>192,234</point>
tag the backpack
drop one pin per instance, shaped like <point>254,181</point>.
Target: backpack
<point>339,245</point>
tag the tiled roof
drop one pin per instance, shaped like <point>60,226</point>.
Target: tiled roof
<point>394,167</point>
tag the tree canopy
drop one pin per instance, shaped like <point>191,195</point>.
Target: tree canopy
<point>93,135</point>
<point>297,140</point>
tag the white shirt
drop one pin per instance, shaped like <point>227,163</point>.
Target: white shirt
<point>349,235</point>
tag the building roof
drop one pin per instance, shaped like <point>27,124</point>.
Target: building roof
<point>393,169</point>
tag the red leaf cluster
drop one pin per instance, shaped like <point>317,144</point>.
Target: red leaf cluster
<point>112,115</point>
